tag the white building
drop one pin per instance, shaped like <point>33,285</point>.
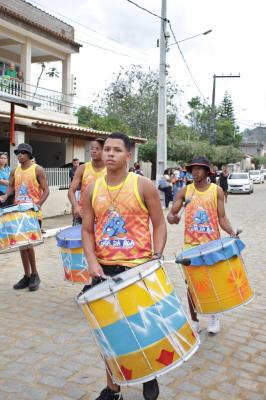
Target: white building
<point>28,35</point>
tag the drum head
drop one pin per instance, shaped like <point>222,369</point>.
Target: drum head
<point>119,282</point>
<point>18,208</point>
<point>214,251</point>
<point>70,238</point>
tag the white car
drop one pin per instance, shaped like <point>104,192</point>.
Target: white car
<point>239,182</point>
<point>263,171</point>
<point>257,176</point>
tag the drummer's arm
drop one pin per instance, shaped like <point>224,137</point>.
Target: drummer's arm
<point>75,184</point>
<point>10,188</point>
<point>41,178</point>
<point>172,216</point>
<point>151,200</point>
<point>223,220</point>
<point>88,237</point>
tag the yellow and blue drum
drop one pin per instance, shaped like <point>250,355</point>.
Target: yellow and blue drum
<point>19,227</point>
<point>216,277</point>
<point>75,266</point>
<point>139,324</point>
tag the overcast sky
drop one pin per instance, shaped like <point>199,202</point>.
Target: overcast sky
<point>236,45</point>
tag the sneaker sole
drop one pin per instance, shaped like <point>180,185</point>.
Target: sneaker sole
<point>33,289</point>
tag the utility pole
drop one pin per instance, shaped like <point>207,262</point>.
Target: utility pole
<point>212,120</point>
<point>161,159</point>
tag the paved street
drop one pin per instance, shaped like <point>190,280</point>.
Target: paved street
<point>46,352</point>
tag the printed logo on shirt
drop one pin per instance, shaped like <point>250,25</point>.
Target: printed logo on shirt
<point>201,222</point>
<point>113,228</point>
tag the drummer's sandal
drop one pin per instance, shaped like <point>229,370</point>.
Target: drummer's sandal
<point>108,394</point>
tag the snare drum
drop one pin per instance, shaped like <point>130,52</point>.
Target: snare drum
<point>74,262</point>
<point>139,324</point>
<point>216,276</point>
<point>19,227</point>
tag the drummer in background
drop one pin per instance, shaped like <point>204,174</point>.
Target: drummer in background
<point>30,186</point>
<point>203,215</point>
<point>85,175</point>
<point>117,211</point>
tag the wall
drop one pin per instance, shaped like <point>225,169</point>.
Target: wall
<point>56,204</point>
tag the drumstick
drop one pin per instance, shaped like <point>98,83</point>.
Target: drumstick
<point>183,261</point>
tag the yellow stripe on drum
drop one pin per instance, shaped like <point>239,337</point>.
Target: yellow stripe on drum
<point>78,250</point>
<point>161,356</point>
<point>131,299</point>
<point>219,287</point>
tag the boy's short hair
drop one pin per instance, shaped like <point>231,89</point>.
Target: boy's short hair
<point>123,137</point>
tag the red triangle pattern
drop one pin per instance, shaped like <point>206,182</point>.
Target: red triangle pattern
<point>166,357</point>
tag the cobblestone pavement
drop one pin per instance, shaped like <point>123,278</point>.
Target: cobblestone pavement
<point>46,352</point>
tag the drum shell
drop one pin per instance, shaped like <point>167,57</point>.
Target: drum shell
<point>219,287</point>
<point>75,267</point>
<point>19,228</point>
<point>141,329</point>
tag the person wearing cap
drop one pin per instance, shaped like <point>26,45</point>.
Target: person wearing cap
<point>29,184</point>
<point>205,208</point>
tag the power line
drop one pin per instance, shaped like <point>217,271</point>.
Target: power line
<point>183,57</point>
<point>111,51</point>
<point>148,11</point>
<point>83,25</point>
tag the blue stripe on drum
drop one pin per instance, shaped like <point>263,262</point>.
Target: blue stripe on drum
<point>18,226</point>
<point>149,326</point>
<point>74,261</point>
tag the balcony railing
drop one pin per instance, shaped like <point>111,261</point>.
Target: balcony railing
<point>49,99</point>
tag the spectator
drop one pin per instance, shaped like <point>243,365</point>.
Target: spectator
<point>166,187</point>
<point>11,71</point>
<point>75,165</point>
<point>212,177</point>
<point>4,172</point>
<point>223,183</point>
<point>177,181</point>
<point>137,169</point>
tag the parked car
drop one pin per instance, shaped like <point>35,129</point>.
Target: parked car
<point>263,171</point>
<point>240,182</point>
<point>257,176</point>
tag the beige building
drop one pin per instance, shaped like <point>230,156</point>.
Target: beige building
<point>46,120</point>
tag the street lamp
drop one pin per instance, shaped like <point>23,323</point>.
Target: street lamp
<point>191,37</point>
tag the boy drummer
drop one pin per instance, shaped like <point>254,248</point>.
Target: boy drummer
<point>30,186</point>
<point>131,201</point>
<point>204,214</point>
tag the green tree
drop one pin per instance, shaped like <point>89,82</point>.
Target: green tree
<point>199,117</point>
<point>227,132</point>
<point>87,117</point>
<point>132,98</point>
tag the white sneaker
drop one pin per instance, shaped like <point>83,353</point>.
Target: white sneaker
<point>195,326</point>
<point>213,324</point>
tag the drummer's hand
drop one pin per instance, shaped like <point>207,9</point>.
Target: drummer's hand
<point>3,198</point>
<point>77,211</point>
<point>173,218</point>
<point>233,234</point>
<point>95,270</point>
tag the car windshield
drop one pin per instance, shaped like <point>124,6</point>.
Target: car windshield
<point>238,176</point>
<point>254,173</point>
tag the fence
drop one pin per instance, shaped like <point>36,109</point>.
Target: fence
<point>58,177</point>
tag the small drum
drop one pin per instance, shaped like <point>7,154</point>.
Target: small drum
<point>216,276</point>
<point>139,324</point>
<point>72,255</point>
<point>19,227</point>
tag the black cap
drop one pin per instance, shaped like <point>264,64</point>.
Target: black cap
<point>24,147</point>
<point>199,161</point>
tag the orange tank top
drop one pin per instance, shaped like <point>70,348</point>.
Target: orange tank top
<point>27,188</point>
<point>201,216</point>
<point>122,232</point>
<point>89,176</point>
